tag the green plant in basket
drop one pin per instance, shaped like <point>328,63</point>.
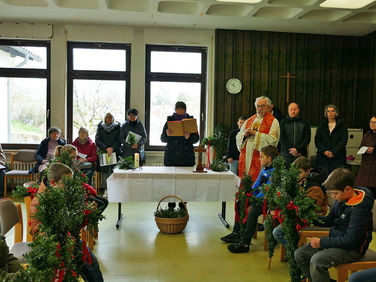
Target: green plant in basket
<point>171,212</point>
<point>126,163</point>
<point>22,191</point>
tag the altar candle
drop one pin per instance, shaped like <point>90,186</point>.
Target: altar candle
<point>136,160</point>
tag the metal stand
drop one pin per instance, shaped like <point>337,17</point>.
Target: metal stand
<point>119,216</point>
<point>222,216</point>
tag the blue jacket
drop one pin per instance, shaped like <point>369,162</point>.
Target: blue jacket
<point>351,223</point>
<point>263,178</point>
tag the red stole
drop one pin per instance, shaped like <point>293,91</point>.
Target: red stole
<point>254,169</point>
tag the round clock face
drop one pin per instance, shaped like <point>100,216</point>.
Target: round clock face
<point>234,86</point>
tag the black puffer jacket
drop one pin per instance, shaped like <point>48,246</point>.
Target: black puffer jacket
<point>232,148</point>
<point>334,142</point>
<point>179,151</point>
<point>295,133</point>
<point>105,139</point>
<point>351,223</point>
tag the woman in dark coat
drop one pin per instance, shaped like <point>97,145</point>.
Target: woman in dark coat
<point>46,148</point>
<point>331,140</point>
<point>136,126</point>
<point>367,171</point>
<point>179,150</point>
<point>107,137</point>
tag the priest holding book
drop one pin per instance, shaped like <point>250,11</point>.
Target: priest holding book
<point>133,136</point>
<point>180,133</point>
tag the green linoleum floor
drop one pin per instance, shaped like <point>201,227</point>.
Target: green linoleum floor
<point>137,251</point>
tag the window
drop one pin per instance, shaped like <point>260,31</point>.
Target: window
<point>24,92</point>
<point>98,82</point>
<point>173,73</point>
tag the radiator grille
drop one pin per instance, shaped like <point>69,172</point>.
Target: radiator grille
<point>19,166</point>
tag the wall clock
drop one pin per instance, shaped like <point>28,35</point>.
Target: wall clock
<point>234,86</point>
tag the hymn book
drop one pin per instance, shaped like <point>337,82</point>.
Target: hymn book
<point>185,125</point>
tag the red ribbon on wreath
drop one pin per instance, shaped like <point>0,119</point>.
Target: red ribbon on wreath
<point>292,206</point>
<point>32,191</point>
<point>86,212</point>
<point>246,207</point>
<point>208,156</point>
<point>59,272</point>
<point>85,253</point>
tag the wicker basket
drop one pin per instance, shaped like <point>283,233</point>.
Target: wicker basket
<point>172,225</point>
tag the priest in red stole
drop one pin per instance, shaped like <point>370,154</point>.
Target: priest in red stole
<point>258,131</point>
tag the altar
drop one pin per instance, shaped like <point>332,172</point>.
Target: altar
<point>151,183</point>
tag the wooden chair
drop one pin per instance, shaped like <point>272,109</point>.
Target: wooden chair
<point>27,200</point>
<point>21,157</point>
<point>11,215</point>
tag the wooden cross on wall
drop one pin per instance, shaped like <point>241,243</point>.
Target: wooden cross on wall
<point>288,76</point>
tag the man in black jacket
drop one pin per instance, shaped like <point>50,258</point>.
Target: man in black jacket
<point>232,148</point>
<point>295,135</point>
<point>351,225</point>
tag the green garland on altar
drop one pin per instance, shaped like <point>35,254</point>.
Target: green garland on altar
<point>292,206</point>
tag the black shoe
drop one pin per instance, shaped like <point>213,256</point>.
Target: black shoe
<point>260,227</point>
<point>238,248</point>
<point>231,238</point>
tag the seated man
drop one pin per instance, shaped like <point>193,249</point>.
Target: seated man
<point>351,229</point>
<point>311,181</point>
<point>243,241</point>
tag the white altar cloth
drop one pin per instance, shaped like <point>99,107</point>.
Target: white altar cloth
<point>151,183</point>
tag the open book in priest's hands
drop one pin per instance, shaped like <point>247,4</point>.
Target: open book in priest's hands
<point>185,125</point>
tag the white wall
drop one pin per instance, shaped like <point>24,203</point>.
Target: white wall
<point>138,37</point>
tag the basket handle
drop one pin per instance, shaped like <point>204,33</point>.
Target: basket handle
<point>173,196</point>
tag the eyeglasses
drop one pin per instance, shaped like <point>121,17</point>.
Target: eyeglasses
<point>373,122</point>
<point>260,106</point>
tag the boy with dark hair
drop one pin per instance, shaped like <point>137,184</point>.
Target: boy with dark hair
<point>243,241</point>
<point>351,229</point>
<point>311,181</point>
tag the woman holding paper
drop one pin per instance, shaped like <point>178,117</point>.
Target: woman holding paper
<point>366,175</point>
<point>133,136</point>
<point>87,153</point>
<point>179,150</point>
<point>107,137</point>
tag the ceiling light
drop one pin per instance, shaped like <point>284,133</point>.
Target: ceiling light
<point>345,4</point>
<point>241,1</point>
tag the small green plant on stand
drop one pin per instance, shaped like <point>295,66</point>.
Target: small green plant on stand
<point>219,165</point>
<point>171,212</point>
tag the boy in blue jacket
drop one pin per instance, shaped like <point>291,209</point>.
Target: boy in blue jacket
<point>243,241</point>
<point>351,225</point>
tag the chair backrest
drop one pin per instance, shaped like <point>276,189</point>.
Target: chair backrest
<point>27,156</point>
<point>9,215</point>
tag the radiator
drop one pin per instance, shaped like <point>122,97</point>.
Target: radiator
<point>18,166</point>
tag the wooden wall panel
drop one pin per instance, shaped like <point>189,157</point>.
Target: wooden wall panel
<point>329,70</point>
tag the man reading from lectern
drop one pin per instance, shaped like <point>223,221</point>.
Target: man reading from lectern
<point>258,131</point>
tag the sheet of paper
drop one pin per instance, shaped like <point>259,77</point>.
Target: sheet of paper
<point>362,150</point>
<point>82,156</point>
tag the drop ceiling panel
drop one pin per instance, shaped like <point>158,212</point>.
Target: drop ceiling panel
<point>304,16</point>
<point>228,10</point>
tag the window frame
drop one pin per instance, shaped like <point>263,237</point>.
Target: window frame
<point>175,77</point>
<point>95,75</point>
<point>30,73</point>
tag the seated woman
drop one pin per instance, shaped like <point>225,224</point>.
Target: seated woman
<point>87,153</point>
<point>179,150</point>
<point>366,176</point>
<point>133,125</point>
<point>46,149</point>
